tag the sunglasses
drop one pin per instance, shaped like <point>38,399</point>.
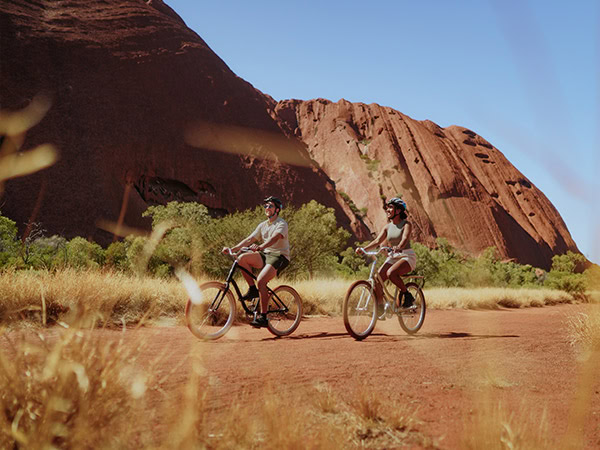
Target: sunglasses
<point>268,206</point>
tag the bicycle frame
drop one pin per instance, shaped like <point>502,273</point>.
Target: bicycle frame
<point>374,277</point>
<point>230,281</point>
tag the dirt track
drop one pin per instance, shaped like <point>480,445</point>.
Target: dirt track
<point>521,356</point>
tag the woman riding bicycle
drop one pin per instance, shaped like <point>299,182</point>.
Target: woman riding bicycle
<point>402,259</point>
<point>272,256</point>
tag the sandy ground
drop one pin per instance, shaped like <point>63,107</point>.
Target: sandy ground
<point>519,357</point>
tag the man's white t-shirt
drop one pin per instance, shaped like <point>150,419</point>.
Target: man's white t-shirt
<point>266,230</point>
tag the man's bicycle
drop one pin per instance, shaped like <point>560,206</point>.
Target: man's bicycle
<point>360,305</point>
<point>213,312</point>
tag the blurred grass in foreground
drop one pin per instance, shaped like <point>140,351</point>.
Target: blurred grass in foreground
<point>73,388</point>
<point>76,389</point>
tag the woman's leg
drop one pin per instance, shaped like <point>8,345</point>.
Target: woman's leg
<point>383,273</point>
<point>395,273</point>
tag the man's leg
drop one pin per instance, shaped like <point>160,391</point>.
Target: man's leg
<point>267,274</point>
<point>250,261</point>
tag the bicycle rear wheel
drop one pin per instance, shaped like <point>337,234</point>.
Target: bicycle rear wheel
<point>211,316</point>
<point>285,310</point>
<point>360,311</point>
<point>411,320</point>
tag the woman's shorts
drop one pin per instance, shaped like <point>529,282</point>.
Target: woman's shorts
<point>407,254</point>
<point>279,262</point>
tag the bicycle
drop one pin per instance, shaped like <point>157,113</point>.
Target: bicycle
<point>360,307</point>
<point>212,314</point>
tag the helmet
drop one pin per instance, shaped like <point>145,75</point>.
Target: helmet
<point>278,203</point>
<point>398,203</point>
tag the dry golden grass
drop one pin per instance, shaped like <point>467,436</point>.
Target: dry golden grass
<point>76,389</point>
<point>66,392</point>
<point>492,298</point>
<point>584,336</point>
<point>494,426</point>
<point>322,295</point>
<point>105,297</point>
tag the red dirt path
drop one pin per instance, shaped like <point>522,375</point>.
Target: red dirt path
<point>519,357</point>
<point>522,357</point>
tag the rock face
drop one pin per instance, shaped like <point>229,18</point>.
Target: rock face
<point>456,184</point>
<point>143,112</point>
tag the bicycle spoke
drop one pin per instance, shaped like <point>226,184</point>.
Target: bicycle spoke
<point>359,310</point>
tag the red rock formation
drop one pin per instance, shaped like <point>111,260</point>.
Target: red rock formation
<point>457,184</point>
<point>144,112</point>
<point>141,110</point>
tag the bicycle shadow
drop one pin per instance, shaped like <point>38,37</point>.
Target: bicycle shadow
<point>379,336</point>
<point>449,335</point>
<point>320,335</point>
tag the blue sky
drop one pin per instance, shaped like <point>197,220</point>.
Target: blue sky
<point>524,74</point>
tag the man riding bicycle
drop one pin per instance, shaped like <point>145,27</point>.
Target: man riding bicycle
<point>272,256</point>
<point>402,259</point>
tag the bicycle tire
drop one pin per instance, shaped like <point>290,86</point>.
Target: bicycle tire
<point>359,309</point>
<point>212,316</point>
<point>411,321</point>
<point>285,311</point>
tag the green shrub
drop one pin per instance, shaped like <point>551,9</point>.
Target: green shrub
<point>569,282</point>
<point>225,231</point>
<point>47,252</point>
<point>116,256</point>
<point>563,274</point>
<point>80,253</point>
<point>316,240</point>
<point>9,244</point>
<point>569,262</point>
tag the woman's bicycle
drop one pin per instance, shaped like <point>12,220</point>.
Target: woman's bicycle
<point>212,314</point>
<point>360,305</point>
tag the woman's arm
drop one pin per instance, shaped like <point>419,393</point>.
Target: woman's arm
<point>377,241</point>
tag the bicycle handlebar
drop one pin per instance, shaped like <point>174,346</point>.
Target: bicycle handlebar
<point>228,251</point>
<point>381,249</point>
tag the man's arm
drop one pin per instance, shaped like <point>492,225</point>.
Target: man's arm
<point>244,243</point>
<point>269,242</point>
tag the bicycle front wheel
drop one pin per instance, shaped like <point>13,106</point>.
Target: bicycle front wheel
<point>360,311</point>
<point>285,310</point>
<point>411,320</point>
<point>212,315</point>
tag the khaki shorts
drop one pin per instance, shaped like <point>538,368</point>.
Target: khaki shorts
<point>408,254</point>
<point>279,262</point>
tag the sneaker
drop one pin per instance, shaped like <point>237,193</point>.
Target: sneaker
<point>260,321</point>
<point>252,293</point>
<point>409,300</point>
<point>380,309</point>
